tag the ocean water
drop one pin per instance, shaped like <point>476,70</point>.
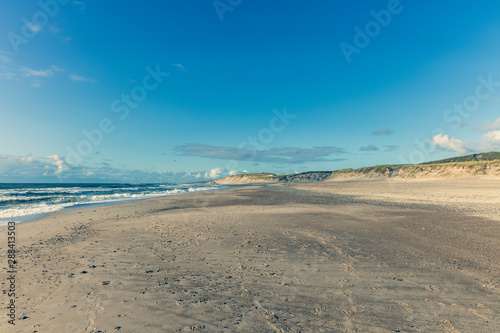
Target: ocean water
<point>24,202</point>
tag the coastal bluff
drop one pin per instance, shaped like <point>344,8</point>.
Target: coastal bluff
<point>485,164</point>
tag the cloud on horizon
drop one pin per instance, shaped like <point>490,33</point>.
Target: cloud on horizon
<point>54,168</point>
<point>292,155</point>
<point>31,166</point>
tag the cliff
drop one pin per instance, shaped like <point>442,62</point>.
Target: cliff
<point>462,166</point>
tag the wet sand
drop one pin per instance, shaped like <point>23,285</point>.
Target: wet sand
<point>329,257</point>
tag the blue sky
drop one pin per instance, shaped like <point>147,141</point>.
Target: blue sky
<point>193,90</point>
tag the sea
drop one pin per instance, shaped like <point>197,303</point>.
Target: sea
<point>25,202</point>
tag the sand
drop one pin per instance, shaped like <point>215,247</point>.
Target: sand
<point>411,256</point>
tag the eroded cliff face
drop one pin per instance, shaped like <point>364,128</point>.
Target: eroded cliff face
<point>311,176</point>
<point>246,179</point>
<point>443,170</point>
<point>440,170</point>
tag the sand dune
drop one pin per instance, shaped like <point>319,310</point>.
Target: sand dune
<point>340,257</point>
<point>430,171</point>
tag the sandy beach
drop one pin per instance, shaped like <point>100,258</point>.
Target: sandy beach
<point>351,256</point>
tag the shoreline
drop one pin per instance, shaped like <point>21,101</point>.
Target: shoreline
<point>89,206</point>
<point>34,217</point>
<point>267,258</point>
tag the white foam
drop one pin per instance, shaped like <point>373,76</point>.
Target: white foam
<point>57,203</point>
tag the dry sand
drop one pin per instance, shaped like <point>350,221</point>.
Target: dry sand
<point>411,256</point>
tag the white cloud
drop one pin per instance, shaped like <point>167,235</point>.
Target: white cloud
<point>66,39</point>
<point>214,173</point>
<point>78,78</point>
<point>179,66</point>
<point>445,142</point>
<point>49,72</point>
<point>34,27</point>
<point>487,126</point>
<point>59,161</point>
<point>5,59</point>
<point>492,136</point>
<point>54,168</point>
<point>8,75</point>
<point>233,172</point>
<point>28,167</point>
<point>81,4</point>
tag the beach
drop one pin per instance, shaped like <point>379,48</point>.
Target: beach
<point>338,256</point>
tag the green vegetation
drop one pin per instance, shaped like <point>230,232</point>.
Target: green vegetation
<point>475,164</point>
<point>491,156</point>
<point>256,176</point>
<point>414,170</point>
